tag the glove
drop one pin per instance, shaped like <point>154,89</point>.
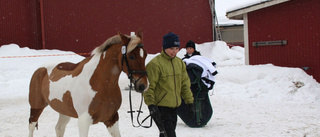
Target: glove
<point>192,111</point>
<point>153,110</point>
<point>156,116</point>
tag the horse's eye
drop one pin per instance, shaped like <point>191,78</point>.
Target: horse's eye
<point>131,57</point>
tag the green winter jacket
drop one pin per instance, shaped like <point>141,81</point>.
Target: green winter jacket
<point>168,82</point>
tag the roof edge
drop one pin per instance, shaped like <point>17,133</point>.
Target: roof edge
<point>237,14</point>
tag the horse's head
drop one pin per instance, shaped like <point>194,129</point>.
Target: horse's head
<point>133,60</point>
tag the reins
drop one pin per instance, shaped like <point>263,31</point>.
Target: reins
<point>132,81</point>
<point>139,111</point>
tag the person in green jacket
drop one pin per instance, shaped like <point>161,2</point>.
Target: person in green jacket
<point>168,83</point>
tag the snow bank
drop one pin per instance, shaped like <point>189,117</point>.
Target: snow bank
<point>268,83</point>
<point>18,65</point>
<point>260,100</point>
<point>262,82</point>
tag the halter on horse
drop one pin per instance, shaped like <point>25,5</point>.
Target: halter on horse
<point>89,90</point>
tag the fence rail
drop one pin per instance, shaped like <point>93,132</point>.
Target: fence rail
<point>30,56</point>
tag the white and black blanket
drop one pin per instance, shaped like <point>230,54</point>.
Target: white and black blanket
<point>208,67</point>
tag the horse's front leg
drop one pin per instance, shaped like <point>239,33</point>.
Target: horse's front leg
<point>113,126</point>
<point>84,122</point>
<point>61,125</point>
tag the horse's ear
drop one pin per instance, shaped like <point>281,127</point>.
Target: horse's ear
<point>125,39</point>
<point>139,34</point>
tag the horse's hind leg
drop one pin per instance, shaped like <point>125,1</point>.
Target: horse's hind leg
<point>36,99</point>
<point>113,126</point>
<point>61,125</point>
<point>33,120</point>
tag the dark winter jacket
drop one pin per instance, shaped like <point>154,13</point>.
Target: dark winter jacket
<point>186,56</point>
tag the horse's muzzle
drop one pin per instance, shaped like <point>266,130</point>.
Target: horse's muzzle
<point>140,88</point>
<point>140,84</point>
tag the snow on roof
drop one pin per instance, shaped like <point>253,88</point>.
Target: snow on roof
<point>237,12</point>
<point>223,6</point>
<point>229,22</point>
<point>246,4</point>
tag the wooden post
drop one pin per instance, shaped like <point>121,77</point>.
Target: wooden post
<point>213,16</point>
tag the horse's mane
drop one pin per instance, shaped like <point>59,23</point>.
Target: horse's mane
<point>114,40</point>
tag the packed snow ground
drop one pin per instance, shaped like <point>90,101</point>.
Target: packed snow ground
<point>248,101</point>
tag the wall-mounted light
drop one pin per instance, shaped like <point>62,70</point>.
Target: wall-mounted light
<point>305,68</point>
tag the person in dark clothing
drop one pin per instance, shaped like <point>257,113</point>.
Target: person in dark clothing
<point>191,50</point>
<point>201,71</point>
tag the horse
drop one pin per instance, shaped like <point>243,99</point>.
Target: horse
<point>89,90</point>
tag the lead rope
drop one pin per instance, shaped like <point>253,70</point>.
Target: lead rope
<point>139,111</point>
<point>130,102</point>
<point>124,58</point>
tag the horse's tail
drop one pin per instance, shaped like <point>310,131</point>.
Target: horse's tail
<point>37,100</point>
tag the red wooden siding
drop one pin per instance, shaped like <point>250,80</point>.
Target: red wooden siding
<point>18,23</point>
<point>295,21</point>
<point>81,25</point>
<point>88,24</point>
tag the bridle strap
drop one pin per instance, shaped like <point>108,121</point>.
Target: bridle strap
<point>130,72</point>
<point>132,81</point>
<point>139,111</point>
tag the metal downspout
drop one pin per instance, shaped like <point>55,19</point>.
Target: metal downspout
<point>42,25</point>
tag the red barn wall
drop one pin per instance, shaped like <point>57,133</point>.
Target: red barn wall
<point>295,21</point>
<point>80,26</point>
<point>19,23</point>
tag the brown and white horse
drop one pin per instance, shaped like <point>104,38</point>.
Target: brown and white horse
<point>89,90</point>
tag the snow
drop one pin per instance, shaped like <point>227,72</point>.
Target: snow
<point>224,6</point>
<point>246,4</point>
<point>248,101</point>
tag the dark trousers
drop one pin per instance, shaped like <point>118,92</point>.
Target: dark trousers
<point>169,120</point>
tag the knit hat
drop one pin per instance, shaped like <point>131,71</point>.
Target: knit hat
<point>191,44</point>
<point>170,40</point>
